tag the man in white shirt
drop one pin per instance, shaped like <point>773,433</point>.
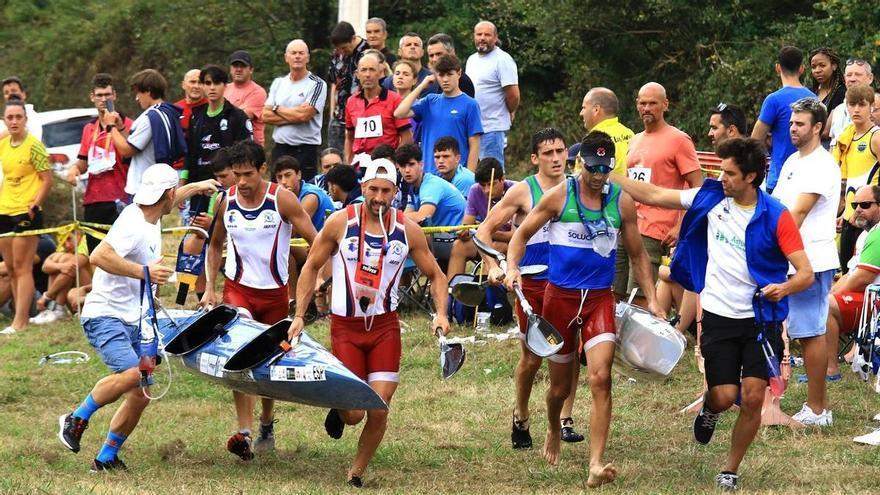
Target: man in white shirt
<point>113,310</point>
<point>809,186</point>
<point>496,85</point>
<point>857,72</point>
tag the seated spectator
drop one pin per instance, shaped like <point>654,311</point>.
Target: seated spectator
<point>447,158</point>
<point>463,249</point>
<point>342,182</point>
<point>45,247</point>
<point>329,158</point>
<point>61,267</point>
<point>317,203</point>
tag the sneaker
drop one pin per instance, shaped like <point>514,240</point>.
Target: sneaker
<point>704,424</point>
<point>266,441</point>
<point>355,482</point>
<point>70,430</point>
<point>872,438</point>
<point>726,481</point>
<point>333,424</point>
<point>568,433</point>
<point>112,465</point>
<point>45,316</point>
<point>240,445</point>
<point>807,417</point>
<point>519,434</point>
<point>7,331</point>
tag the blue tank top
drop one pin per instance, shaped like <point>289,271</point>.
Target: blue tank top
<point>325,203</point>
<point>538,247</point>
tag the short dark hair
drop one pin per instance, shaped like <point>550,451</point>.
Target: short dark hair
<point>149,81</point>
<point>13,80</point>
<point>285,162</point>
<point>102,80</point>
<point>790,59</point>
<point>447,63</point>
<point>447,143</point>
<point>814,107</point>
<point>14,102</point>
<point>407,152</point>
<point>220,160</point>
<point>246,153</point>
<point>545,135</point>
<point>483,175</point>
<point>330,151</point>
<point>342,33</point>
<point>731,115</point>
<point>859,93</point>
<point>748,154</point>
<point>343,176</point>
<point>215,72</point>
<point>382,151</point>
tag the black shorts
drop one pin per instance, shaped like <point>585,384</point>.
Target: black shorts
<point>105,213</point>
<point>732,351</point>
<point>20,223</point>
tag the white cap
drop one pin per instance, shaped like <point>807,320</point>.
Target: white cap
<point>381,168</point>
<point>155,181</point>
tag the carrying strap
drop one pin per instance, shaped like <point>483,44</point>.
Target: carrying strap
<point>147,289</point>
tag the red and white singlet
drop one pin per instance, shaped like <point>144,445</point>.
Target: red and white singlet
<point>258,242</point>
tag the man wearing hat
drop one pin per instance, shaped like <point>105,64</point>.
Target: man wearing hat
<point>244,93</point>
<point>368,244</point>
<point>112,311</point>
<point>586,215</point>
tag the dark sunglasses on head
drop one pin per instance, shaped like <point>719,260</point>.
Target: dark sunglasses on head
<point>856,61</point>
<point>862,204</point>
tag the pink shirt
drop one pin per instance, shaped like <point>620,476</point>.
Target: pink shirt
<point>662,158</point>
<point>250,97</point>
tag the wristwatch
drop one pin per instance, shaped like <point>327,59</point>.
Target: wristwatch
<point>275,108</point>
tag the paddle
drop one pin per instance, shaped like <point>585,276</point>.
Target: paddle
<point>451,356</point>
<point>471,293</point>
<point>541,337</point>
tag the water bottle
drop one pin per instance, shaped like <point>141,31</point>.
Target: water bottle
<point>483,321</point>
<point>147,362</point>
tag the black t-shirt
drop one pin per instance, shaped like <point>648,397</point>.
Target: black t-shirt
<point>208,134</point>
<point>45,247</point>
<point>390,58</point>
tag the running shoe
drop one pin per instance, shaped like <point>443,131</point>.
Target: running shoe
<point>116,463</point>
<point>704,424</point>
<point>70,430</point>
<point>355,482</point>
<point>240,445</point>
<point>568,433</point>
<point>519,434</point>
<point>726,481</point>
<point>872,438</point>
<point>333,424</point>
<point>7,331</point>
<point>807,417</point>
<point>266,441</point>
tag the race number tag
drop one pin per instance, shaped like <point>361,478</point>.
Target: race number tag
<point>642,174</point>
<point>368,127</point>
<point>211,364</point>
<point>311,373</point>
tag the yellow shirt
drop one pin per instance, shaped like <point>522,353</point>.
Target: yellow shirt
<point>621,136</point>
<point>858,164</point>
<point>21,179</point>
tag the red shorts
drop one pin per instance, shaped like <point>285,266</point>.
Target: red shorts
<point>372,355</point>
<point>850,305</point>
<point>267,306</point>
<point>534,292</point>
<point>596,315</point>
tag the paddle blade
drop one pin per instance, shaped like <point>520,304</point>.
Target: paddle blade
<point>469,293</point>
<point>542,338</point>
<point>451,359</point>
<point>488,249</point>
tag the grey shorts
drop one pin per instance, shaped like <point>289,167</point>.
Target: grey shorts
<point>624,282</point>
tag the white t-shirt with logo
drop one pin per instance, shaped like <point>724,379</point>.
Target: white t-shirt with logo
<point>138,241</point>
<point>816,173</point>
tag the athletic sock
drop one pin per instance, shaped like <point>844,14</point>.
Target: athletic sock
<point>111,447</point>
<point>245,431</point>
<point>87,408</point>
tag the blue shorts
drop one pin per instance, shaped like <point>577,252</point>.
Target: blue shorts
<point>117,342</point>
<point>492,144</point>
<point>808,310</point>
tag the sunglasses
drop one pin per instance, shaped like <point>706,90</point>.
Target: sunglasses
<point>856,61</point>
<point>598,169</point>
<point>862,204</point>
<point>721,107</point>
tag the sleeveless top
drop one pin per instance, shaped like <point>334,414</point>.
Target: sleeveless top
<point>575,236</point>
<point>325,203</point>
<point>250,233</point>
<point>538,246</point>
<point>363,287</point>
<point>859,167</point>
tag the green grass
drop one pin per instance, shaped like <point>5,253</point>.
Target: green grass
<point>443,437</point>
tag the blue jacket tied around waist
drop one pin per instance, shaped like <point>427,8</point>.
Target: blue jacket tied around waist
<point>765,260</point>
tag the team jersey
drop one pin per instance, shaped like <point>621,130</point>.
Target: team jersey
<point>858,164</point>
<point>250,232</point>
<point>21,166</point>
<point>353,298</point>
<point>325,203</point>
<point>575,244</point>
<point>538,246</point>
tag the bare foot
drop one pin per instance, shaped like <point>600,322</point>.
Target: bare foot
<point>552,446</point>
<point>599,475</point>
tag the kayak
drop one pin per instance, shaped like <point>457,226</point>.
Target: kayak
<point>251,357</point>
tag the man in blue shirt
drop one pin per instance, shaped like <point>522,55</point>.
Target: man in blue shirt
<point>776,110</point>
<point>432,201</point>
<point>447,157</point>
<point>451,113</point>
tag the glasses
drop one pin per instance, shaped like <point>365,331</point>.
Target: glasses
<point>598,169</point>
<point>721,107</point>
<point>856,61</point>
<point>862,204</point>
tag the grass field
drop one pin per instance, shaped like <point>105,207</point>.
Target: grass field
<point>443,437</point>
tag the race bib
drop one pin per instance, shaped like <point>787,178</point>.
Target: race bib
<point>368,127</point>
<point>642,174</point>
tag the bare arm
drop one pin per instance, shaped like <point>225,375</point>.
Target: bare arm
<point>802,206</point>
<point>473,152</point>
<point>182,193</point>
<point>802,278</point>
<point>511,97</point>
<point>106,258</point>
<point>549,207</point>
<point>649,194</point>
<point>119,138</point>
<point>332,100</point>
<point>213,255</point>
<point>424,260</point>
<point>293,213</point>
<point>404,110</point>
<point>418,216</point>
<point>854,281</point>
<point>694,179</point>
<point>760,131</point>
<point>638,258</point>
<point>346,151</point>
<point>45,187</point>
<point>406,136</point>
<point>289,115</point>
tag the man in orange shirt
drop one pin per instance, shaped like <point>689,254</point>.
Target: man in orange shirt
<point>245,94</point>
<point>664,156</point>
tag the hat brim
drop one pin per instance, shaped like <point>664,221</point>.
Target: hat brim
<point>148,197</point>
